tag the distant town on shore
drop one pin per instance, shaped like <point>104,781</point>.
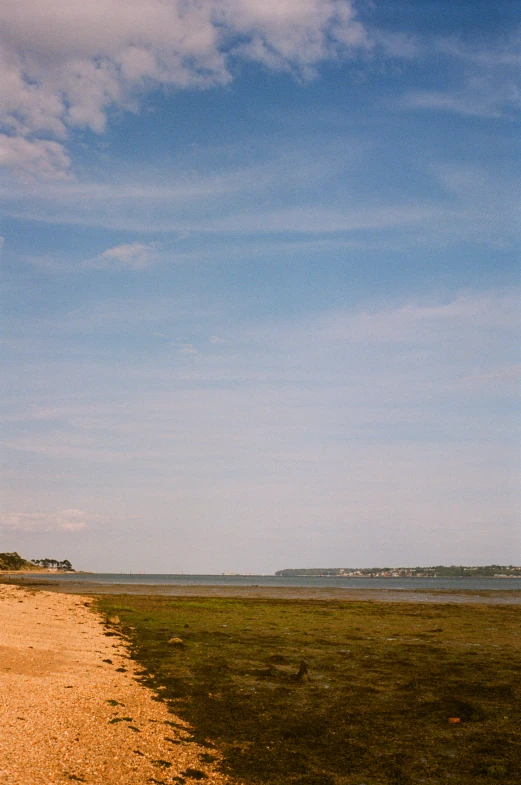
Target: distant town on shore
<point>454,571</point>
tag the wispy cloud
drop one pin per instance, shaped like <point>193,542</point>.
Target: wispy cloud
<point>397,45</point>
<point>394,355</point>
<point>131,256</point>
<point>478,98</point>
<point>63,520</point>
<point>187,349</point>
<point>384,417</point>
<point>458,202</point>
<point>488,84</point>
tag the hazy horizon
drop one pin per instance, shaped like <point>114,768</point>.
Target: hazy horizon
<point>260,283</point>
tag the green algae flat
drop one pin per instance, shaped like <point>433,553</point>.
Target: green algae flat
<point>384,680</point>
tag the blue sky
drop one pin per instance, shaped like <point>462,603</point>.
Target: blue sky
<point>260,283</point>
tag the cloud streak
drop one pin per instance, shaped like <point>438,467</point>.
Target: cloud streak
<point>63,520</point>
<point>465,202</point>
<point>487,88</point>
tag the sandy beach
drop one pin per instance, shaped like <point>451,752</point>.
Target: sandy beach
<point>71,709</point>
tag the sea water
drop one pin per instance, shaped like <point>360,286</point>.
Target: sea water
<point>405,584</point>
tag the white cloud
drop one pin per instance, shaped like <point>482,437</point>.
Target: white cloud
<point>64,63</point>
<point>64,520</point>
<point>134,256</point>
<point>34,158</point>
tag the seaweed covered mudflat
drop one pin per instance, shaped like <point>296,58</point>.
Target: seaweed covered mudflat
<point>323,692</point>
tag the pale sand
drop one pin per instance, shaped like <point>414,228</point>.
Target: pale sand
<point>54,711</point>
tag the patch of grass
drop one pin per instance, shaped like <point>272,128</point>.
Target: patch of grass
<point>384,679</point>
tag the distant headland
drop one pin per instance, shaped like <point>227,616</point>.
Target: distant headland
<point>454,571</point>
<point>13,562</point>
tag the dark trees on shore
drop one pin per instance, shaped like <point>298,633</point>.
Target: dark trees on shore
<point>54,564</point>
<point>12,561</point>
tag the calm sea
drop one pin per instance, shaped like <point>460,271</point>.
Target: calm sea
<point>455,584</point>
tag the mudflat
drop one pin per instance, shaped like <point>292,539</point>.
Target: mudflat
<point>71,707</point>
<point>395,693</point>
<point>343,594</point>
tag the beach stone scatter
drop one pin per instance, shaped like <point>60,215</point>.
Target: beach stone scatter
<point>69,712</point>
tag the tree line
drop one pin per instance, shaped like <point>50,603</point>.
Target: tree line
<point>53,564</point>
<point>13,562</point>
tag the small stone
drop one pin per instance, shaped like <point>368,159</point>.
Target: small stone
<point>303,674</point>
<point>176,642</point>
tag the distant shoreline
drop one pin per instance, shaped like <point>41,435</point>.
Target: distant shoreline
<point>15,573</point>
